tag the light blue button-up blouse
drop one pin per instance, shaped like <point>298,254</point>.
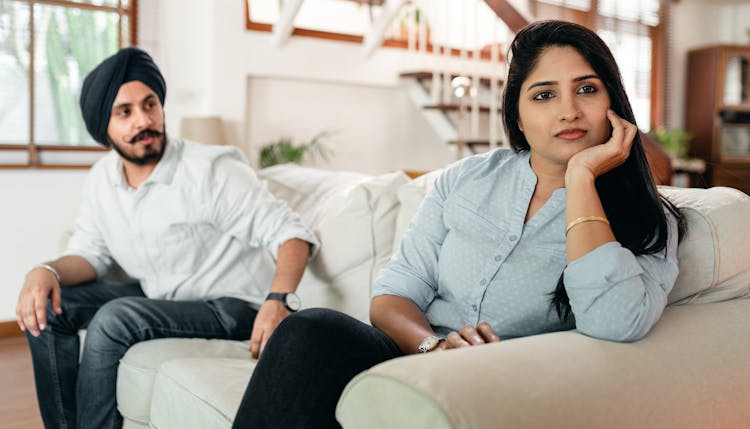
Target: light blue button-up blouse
<point>468,257</point>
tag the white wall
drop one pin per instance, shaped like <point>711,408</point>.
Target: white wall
<point>237,56</point>
<point>364,118</point>
<point>696,24</point>
<point>38,207</point>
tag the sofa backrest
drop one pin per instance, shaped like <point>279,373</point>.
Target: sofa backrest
<point>354,217</point>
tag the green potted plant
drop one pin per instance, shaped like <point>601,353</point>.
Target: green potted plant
<point>284,150</point>
<point>674,141</point>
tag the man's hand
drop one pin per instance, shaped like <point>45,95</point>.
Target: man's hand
<point>31,310</point>
<point>269,316</point>
<point>469,336</point>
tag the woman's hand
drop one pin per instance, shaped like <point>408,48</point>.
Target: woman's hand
<point>599,159</point>
<point>469,336</point>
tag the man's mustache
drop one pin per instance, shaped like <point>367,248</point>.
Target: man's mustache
<point>145,134</point>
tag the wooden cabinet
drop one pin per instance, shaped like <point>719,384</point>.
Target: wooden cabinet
<point>717,113</point>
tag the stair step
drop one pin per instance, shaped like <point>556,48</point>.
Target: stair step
<point>427,75</point>
<point>454,107</point>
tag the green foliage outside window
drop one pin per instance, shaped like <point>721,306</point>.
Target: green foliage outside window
<point>68,43</point>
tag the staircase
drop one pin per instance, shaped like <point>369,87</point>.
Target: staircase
<point>472,121</point>
<point>460,93</point>
<point>457,73</point>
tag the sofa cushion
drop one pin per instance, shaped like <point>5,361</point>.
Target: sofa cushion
<point>354,217</point>
<point>199,393</point>
<point>310,191</point>
<point>713,262</point>
<point>139,366</point>
<point>713,254</point>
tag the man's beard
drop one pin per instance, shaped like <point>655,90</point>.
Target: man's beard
<point>151,156</point>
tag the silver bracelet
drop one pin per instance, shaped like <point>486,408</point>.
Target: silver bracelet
<point>51,269</point>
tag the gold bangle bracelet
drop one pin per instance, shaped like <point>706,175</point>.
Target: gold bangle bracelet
<point>585,219</point>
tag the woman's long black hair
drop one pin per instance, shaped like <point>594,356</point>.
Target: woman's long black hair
<point>627,192</point>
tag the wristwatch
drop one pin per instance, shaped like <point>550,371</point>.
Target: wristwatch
<point>290,299</point>
<point>429,343</point>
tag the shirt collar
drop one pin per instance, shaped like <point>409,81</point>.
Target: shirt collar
<point>163,173</point>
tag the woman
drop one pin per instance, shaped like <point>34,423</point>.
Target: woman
<point>565,231</point>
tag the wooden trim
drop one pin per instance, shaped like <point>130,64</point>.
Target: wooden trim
<point>659,50</point>
<point>10,329</point>
<point>63,166</point>
<point>133,20</point>
<point>15,167</point>
<point>77,5</point>
<point>53,148</point>
<point>45,167</point>
<point>14,147</point>
<point>65,148</point>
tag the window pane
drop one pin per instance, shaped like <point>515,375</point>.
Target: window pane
<point>68,44</point>
<point>125,31</point>
<point>644,11</point>
<point>633,55</point>
<point>14,72</point>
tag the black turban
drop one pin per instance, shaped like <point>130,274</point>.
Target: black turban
<point>101,86</point>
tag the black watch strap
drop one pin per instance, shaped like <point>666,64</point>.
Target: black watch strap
<point>283,297</point>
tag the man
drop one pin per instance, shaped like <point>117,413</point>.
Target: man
<point>190,222</point>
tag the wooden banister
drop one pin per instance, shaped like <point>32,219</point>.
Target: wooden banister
<point>510,16</point>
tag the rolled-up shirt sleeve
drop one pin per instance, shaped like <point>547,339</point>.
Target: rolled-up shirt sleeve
<point>244,207</point>
<point>87,240</point>
<point>412,272</point>
<point>618,296</point>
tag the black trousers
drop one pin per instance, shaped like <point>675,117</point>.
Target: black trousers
<point>305,366</point>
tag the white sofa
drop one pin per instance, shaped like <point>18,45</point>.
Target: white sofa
<point>693,370</point>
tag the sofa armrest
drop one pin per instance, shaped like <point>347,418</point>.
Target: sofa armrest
<point>691,371</point>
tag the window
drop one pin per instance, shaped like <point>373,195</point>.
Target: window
<point>46,49</point>
<point>633,32</point>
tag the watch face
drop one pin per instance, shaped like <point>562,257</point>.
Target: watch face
<point>293,301</point>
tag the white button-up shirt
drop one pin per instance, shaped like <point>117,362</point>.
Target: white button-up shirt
<point>202,226</point>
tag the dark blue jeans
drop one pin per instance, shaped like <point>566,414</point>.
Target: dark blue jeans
<point>115,317</point>
<point>305,366</point>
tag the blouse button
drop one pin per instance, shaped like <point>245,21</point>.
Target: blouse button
<point>513,237</point>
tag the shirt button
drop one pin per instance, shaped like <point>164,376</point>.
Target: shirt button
<point>474,307</point>
<point>512,237</point>
<point>498,258</point>
<point>483,282</point>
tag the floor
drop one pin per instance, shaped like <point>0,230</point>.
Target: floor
<point>18,407</point>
